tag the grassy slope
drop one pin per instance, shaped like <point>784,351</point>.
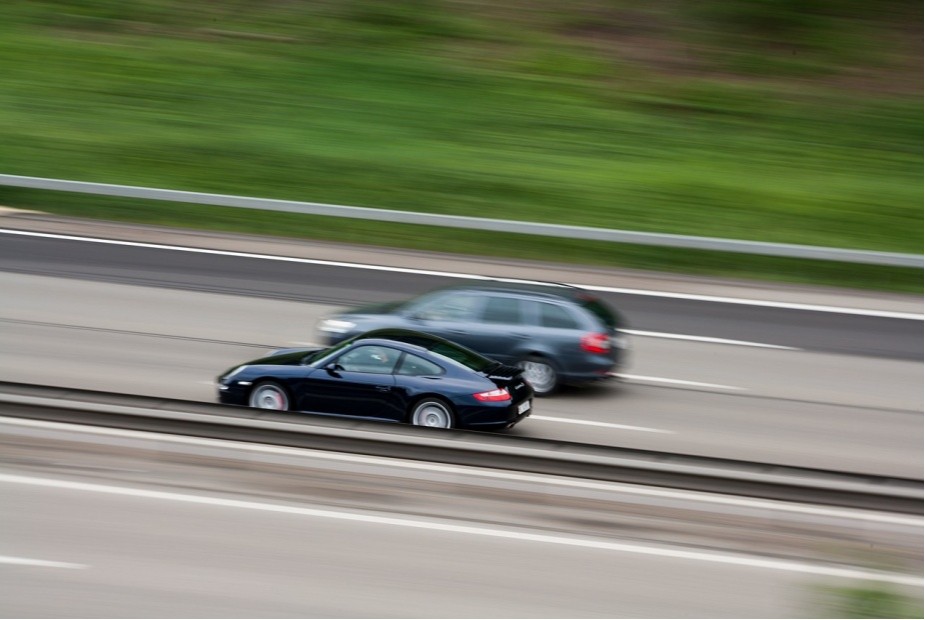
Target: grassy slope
<point>459,108</point>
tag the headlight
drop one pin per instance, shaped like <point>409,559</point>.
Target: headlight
<point>335,326</point>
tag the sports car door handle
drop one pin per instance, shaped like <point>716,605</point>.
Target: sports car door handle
<point>383,388</point>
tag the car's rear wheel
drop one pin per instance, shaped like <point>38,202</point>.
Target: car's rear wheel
<point>432,412</point>
<point>540,374</point>
<point>269,395</point>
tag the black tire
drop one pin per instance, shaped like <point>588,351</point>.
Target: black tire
<point>541,374</point>
<point>269,395</point>
<point>431,412</point>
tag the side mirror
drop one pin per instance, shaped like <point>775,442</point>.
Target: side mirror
<point>333,367</point>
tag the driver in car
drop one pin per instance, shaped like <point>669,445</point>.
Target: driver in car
<point>381,356</point>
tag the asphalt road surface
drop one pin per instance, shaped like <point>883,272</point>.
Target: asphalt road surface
<point>129,527</point>
<point>344,286</point>
<point>127,524</point>
<point>139,320</point>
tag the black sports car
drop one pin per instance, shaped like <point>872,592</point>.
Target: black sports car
<point>394,375</point>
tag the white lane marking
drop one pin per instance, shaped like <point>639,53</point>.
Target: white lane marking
<point>469,276</point>
<point>702,556</point>
<point>785,305</point>
<point>675,382</point>
<point>741,343</point>
<point>862,515</point>
<point>42,563</point>
<point>603,424</point>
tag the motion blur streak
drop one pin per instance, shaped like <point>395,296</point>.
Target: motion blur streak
<point>40,563</point>
<point>741,343</point>
<point>603,424</point>
<point>457,470</point>
<point>738,560</point>
<point>642,379</point>
<point>469,276</point>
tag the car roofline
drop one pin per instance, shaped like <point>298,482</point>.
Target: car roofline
<point>538,287</point>
<point>381,334</point>
<point>384,342</point>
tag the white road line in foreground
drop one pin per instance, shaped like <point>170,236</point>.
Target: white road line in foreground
<point>676,382</point>
<point>702,556</point>
<point>741,343</point>
<point>469,276</point>
<point>604,424</point>
<point>42,563</point>
<point>480,472</point>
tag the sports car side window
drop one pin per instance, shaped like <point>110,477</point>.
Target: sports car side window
<point>372,359</point>
<point>418,367</point>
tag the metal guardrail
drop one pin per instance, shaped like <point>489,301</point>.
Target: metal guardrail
<point>894,259</point>
<point>513,453</point>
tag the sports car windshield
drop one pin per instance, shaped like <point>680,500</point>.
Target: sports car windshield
<point>317,355</point>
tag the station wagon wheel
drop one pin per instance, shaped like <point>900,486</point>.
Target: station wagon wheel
<point>432,412</point>
<point>540,374</point>
<point>269,395</point>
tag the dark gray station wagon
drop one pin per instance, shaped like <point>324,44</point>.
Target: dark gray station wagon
<point>558,334</point>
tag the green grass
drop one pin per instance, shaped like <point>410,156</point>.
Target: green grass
<point>462,108</point>
<point>866,600</point>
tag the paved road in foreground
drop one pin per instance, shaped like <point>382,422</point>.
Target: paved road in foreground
<point>124,524</point>
<point>117,534</point>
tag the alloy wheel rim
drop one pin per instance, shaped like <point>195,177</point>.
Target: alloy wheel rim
<point>433,416</point>
<point>269,398</point>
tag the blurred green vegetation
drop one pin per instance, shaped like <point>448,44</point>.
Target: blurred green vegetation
<point>865,601</point>
<point>773,120</point>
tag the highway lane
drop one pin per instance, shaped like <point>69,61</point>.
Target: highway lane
<point>109,327</point>
<point>791,407</point>
<point>143,558</point>
<point>129,524</point>
<point>339,285</point>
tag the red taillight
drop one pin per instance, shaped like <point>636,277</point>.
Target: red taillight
<point>595,343</point>
<point>493,396</point>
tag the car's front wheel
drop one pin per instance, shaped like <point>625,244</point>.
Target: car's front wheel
<point>269,395</point>
<point>432,412</point>
<point>540,374</point>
